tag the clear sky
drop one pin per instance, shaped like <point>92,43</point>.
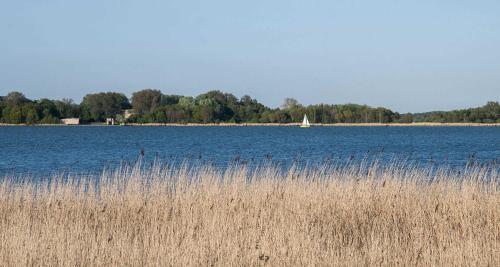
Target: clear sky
<point>406,55</point>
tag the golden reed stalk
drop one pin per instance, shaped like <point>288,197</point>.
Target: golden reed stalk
<point>200,217</point>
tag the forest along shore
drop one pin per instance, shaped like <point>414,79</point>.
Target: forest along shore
<point>215,107</point>
<point>415,124</point>
<point>318,124</point>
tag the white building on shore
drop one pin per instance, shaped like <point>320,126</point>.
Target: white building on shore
<point>71,121</point>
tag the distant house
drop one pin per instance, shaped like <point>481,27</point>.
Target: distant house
<point>71,121</point>
<point>128,113</point>
<point>110,121</point>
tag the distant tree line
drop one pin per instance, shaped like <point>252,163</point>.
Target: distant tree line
<point>152,106</point>
<point>488,113</point>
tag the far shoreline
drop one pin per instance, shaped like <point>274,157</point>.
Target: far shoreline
<point>414,124</point>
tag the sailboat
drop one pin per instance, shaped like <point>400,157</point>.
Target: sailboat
<point>305,122</point>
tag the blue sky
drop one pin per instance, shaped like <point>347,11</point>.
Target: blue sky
<point>406,55</point>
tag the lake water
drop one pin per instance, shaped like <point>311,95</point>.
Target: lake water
<point>88,149</point>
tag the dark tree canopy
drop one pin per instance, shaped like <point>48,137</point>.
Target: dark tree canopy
<point>146,101</point>
<point>67,108</point>
<point>98,107</point>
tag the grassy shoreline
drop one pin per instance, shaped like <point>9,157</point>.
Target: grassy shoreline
<point>417,124</point>
<point>191,217</point>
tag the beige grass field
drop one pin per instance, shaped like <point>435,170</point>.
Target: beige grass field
<point>201,217</point>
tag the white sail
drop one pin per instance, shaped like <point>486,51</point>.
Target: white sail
<point>305,122</point>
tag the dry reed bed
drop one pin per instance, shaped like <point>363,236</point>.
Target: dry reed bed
<point>325,216</point>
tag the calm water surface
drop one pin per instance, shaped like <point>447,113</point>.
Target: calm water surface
<point>88,149</point>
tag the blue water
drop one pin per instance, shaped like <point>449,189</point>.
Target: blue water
<point>88,149</point>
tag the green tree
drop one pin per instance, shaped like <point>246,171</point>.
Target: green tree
<point>67,108</point>
<point>2,106</point>
<point>15,99</point>
<point>146,101</point>
<point>168,100</point>
<point>213,106</point>
<point>12,114</point>
<point>48,110</point>
<point>294,109</point>
<point>250,110</point>
<point>30,113</point>
<point>206,110</point>
<point>98,107</point>
<point>406,118</point>
<point>12,107</point>
<point>186,105</point>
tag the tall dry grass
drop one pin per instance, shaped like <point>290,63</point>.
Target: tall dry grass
<point>323,216</point>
